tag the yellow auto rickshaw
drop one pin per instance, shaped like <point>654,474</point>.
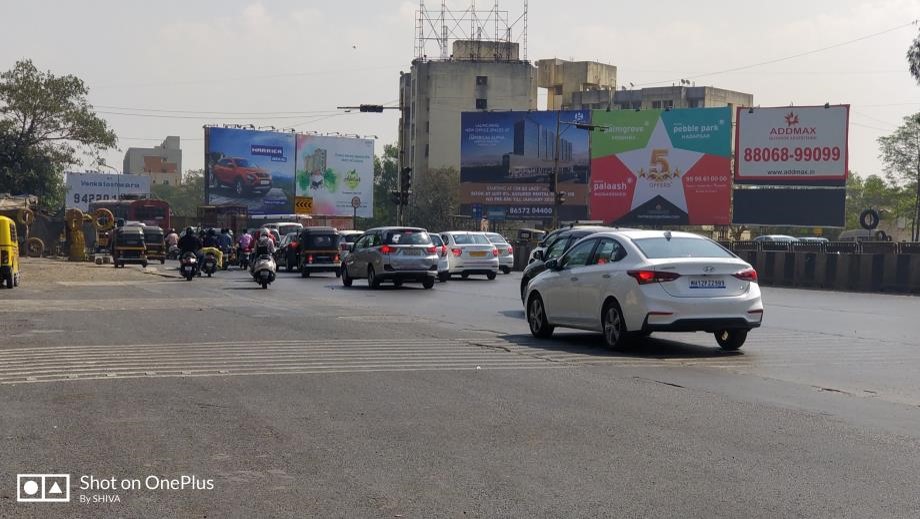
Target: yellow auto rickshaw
<point>9,253</point>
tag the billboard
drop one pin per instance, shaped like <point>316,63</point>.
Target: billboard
<point>507,159</point>
<point>655,167</point>
<point>336,172</point>
<point>251,168</point>
<point>83,188</point>
<point>790,207</point>
<point>800,145</point>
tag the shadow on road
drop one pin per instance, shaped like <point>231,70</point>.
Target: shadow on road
<point>647,347</point>
<point>516,314</point>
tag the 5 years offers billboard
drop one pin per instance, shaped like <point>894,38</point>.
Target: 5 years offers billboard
<point>662,167</point>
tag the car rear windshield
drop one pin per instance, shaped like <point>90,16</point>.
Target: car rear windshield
<point>471,239</point>
<point>407,237</point>
<point>435,239</point>
<point>659,248</point>
<point>496,238</point>
<point>321,241</point>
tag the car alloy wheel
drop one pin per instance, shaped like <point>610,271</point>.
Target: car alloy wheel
<point>614,329</point>
<point>536,318</point>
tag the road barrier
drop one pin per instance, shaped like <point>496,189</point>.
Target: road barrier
<point>878,266</point>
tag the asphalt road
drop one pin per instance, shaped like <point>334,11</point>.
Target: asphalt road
<point>309,399</point>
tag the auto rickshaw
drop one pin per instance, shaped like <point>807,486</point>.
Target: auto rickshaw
<point>155,241</point>
<point>128,246</point>
<point>9,253</point>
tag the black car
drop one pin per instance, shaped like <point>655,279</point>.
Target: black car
<point>556,244</point>
<point>286,252</point>
<point>318,251</point>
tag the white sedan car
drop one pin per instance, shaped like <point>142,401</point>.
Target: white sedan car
<point>470,253</point>
<point>624,283</point>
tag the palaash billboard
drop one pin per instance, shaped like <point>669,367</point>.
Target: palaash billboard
<point>337,173</point>
<point>507,160</point>
<point>251,168</point>
<point>799,145</point>
<point>655,167</point>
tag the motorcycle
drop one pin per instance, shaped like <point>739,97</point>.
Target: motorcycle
<point>188,265</point>
<point>228,257</point>
<point>264,270</point>
<point>209,263</point>
<point>173,252</point>
<point>244,257</point>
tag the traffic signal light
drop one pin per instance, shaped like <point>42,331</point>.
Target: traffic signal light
<point>371,108</point>
<point>395,197</point>
<point>405,180</point>
<point>404,198</point>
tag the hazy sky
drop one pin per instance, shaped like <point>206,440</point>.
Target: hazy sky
<point>289,63</point>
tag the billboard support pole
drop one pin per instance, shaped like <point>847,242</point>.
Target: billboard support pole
<point>555,184</point>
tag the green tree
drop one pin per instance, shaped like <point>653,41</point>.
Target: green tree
<point>183,199</point>
<point>436,200</point>
<point>45,123</point>
<point>900,152</point>
<point>386,179</point>
<point>913,58</point>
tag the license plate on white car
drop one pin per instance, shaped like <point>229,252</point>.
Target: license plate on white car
<point>707,283</point>
<point>411,252</point>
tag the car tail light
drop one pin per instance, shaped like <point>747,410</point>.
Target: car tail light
<point>337,259</point>
<point>494,251</point>
<point>386,249</point>
<point>644,277</point>
<point>294,244</point>
<point>310,258</point>
<point>747,275</point>
<point>510,251</point>
<point>456,252</point>
<point>432,250</point>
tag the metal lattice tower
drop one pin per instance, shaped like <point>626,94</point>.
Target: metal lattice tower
<point>435,30</point>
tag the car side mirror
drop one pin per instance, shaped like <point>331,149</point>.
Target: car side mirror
<point>538,255</point>
<point>552,264</point>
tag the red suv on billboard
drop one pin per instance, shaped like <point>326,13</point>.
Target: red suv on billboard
<point>240,174</point>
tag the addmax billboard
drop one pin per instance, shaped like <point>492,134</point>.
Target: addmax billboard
<point>797,145</point>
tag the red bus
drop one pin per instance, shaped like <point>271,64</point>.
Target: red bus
<point>147,211</point>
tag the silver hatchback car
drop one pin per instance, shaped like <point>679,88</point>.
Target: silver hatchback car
<point>396,254</point>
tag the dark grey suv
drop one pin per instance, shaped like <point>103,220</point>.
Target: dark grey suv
<point>396,254</point>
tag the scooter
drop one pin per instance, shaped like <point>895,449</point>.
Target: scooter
<point>188,265</point>
<point>209,264</point>
<point>243,257</point>
<point>173,252</point>
<point>264,270</point>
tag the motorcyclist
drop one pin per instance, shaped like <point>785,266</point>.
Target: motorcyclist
<point>189,242</point>
<point>172,239</point>
<point>245,241</point>
<point>212,246</point>
<point>265,245</point>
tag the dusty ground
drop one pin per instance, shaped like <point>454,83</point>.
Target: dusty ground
<point>47,270</point>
